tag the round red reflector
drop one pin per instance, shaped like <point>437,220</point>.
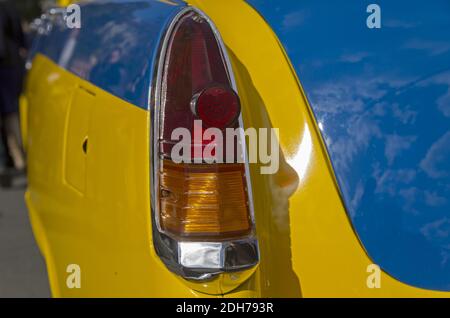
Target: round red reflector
<point>217,106</point>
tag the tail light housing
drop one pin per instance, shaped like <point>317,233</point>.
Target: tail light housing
<point>203,221</point>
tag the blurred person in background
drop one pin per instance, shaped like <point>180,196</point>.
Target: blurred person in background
<point>12,56</point>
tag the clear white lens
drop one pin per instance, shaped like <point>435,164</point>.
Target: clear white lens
<point>200,255</point>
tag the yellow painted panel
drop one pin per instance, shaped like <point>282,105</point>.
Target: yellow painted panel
<point>23,112</point>
<point>76,139</point>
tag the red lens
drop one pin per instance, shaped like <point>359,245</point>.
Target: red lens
<point>194,63</point>
<point>217,107</point>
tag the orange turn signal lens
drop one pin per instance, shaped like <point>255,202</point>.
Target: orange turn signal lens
<point>203,200</point>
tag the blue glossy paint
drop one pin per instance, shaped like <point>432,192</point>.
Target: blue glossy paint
<point>382,98</point>
<point>116,46</point>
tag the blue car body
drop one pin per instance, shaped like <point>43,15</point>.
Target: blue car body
<point>382,100</point>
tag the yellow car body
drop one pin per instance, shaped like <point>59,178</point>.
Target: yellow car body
<point>94,210</point>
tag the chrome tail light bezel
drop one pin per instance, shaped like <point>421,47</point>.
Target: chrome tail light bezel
<point>195,260</point>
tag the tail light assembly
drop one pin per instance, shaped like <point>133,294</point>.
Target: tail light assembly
<point>202,209</point>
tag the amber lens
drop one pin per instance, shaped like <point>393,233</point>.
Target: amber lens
<point>203,200</point>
